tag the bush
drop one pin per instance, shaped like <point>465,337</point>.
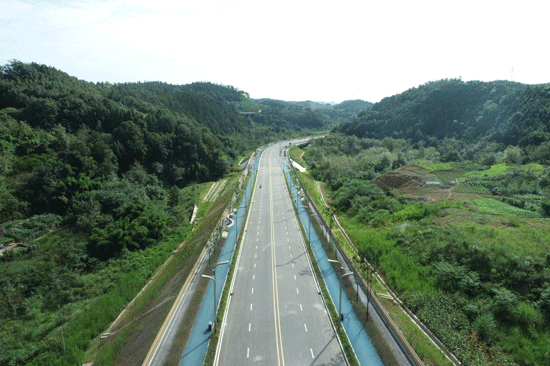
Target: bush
<point>544,303</point>
<point>137,228</point>
<point>453,277</point>
<point>504,302</point>
<point>412,211</point>
<point>404,273</point>
<point>372,244</point>
<point>29,229</point>
<point>486,327</point>
<point>5,240</point>
<point>527,316</point>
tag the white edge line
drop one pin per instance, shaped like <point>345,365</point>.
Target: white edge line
<point>222,330</point>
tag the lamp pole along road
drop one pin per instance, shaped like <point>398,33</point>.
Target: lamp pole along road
<point>340,301</point>
<point>213,278</point>
<point>275,314</point>
<point>237,221</point>
<point>341,286</point>
<point>311,214</point>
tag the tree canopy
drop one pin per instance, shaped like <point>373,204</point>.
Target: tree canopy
<point>499,111</point>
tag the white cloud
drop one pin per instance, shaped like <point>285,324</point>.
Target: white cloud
<point>287,49</point>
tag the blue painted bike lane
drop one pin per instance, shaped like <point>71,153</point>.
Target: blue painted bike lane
<point>360,341</point>
<point>197,344</point>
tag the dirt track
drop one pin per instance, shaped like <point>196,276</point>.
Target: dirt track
<point>9,246</point>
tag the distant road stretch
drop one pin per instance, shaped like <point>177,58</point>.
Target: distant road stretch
<point>275,315</point>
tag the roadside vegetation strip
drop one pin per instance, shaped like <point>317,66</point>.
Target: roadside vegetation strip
<point>296,154</point>
<point>168,320</point>
<point>103,309</point>
<point>343,338</point>
<point>212,187</point>
<point>188,248</point>
<point>219,188</point>
<point>124,348</point>
<point>185,332</point>
<point>427,346</point>
<point>431,341</point>
<point>210,355</point>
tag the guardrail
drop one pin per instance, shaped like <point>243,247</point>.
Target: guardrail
<point>333,242</point>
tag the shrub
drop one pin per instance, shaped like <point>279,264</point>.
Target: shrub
<point>504,302</point>
<point>32,228</point>
<point>486,326</point>
<point>544,303</point>
<point>527,316</point>
<point>412,211</point>
<point>453,277</point>
<point>137,229</point>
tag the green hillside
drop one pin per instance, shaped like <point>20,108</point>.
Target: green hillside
<point>445,190</point>
<point>500,111</point>
<point>97,186</point>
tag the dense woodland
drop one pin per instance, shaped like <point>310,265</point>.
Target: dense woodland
<point>97,185</point>
<point>445,189</point>
<point>499,112</point>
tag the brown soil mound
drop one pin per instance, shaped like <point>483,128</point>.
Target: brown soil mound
<point>400,179</point>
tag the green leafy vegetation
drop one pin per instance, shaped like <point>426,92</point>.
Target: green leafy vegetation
<point>500,112</point>
<point>464,244</point>
<point>445,188</point>
<point>97,187</point>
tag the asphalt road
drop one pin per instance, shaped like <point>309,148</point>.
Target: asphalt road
<point>275,315</point>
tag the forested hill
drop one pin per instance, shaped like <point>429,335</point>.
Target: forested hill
<point>212,105</point>
<point>500,111</point>
<point>180,133</point>
<point>308,113</point>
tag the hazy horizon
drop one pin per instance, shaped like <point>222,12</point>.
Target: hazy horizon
<point>288,50</point>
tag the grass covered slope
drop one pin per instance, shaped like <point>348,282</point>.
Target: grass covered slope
<point>465,245</point>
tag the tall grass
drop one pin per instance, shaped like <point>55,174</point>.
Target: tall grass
<point>491,172</point>
<point>94,316</point>
<point>495,207</point>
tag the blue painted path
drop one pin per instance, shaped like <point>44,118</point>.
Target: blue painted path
<point>195,349</point>
<point>360,341</point>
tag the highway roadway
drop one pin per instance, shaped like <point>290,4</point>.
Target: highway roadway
<point>275,315</point>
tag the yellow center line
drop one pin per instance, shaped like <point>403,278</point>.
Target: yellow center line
<point>278,335</point>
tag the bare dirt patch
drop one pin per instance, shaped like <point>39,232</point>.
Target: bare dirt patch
<point>401,179</point>
<point>8,246</point>
<point>420,184</point>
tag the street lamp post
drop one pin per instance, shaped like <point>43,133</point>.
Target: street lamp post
<point>237,221</point>
<point>341,286</point>
<point>340,301</point>
<point>311,214</point>
<point>213,278</point>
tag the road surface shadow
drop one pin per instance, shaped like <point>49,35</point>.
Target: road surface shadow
<point>337,360</point>
<point>198,346</point>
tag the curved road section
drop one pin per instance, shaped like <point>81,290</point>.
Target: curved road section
<point>275,315</point>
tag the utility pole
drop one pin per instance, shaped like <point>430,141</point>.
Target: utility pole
<point>213,278</point>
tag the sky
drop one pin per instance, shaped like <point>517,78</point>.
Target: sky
<point>326,51</point>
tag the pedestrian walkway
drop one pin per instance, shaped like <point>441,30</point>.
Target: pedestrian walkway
<point>197,344</point>
<point>364,349</point>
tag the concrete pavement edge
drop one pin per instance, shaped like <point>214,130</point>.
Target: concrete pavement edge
<point>154,346</point>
